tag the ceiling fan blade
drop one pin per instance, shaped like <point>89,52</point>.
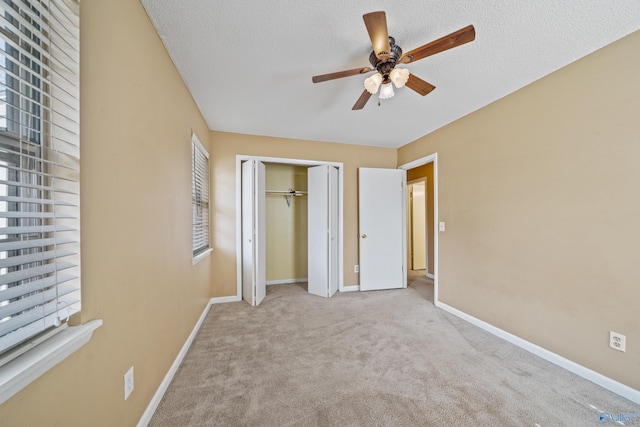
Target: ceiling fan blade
<point>376,23</point>
<point>340,74</point>
<point>460,37</point>
<point>419,85</point>
<point>360,103</point>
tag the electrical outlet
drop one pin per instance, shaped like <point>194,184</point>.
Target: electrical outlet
<point>356,268</point>
<point>617,341</point>
<point>128,383</point>
<point>441,226</point>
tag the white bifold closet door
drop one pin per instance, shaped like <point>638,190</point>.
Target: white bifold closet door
<point>254,249</point>
<point>323,213</point>
<point>382,226</point>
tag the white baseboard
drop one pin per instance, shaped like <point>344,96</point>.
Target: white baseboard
<point>286,281</point>
<point>586,373</point>
<point>351,288</point>
<point>223,300</point>
<point>431,276</point>
<point>164,385</point>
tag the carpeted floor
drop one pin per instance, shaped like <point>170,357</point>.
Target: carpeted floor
<point>382,358</point>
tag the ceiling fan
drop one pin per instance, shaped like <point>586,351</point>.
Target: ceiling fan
<point>387,54</point>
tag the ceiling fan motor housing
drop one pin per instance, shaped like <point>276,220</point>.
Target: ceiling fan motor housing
<point>385,67</point>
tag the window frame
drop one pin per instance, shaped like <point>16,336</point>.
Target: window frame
<point>47,94</point>
<point>197,203</point>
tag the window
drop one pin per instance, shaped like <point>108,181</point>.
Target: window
<point>200,198</point>
<point>39,171</point>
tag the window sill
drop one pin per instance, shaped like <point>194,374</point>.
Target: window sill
<point>20,372</point>
<point>201,256</point>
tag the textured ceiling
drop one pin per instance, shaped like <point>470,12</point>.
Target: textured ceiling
<point>249,63</point>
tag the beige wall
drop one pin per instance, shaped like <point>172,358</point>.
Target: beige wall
<point>286,224</point>
<point>137,276</point>
<point>539,192</point>
<point>225,147</point>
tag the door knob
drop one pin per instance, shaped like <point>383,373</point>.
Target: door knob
<point>364,236</point>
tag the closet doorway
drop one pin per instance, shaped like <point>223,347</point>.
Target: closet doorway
<point>289,225</point>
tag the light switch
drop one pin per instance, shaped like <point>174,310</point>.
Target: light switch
<point>441,226</point>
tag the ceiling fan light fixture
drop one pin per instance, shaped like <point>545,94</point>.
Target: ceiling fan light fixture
<point>399,76</point>
<point>387,54</point>
<point>386,91</point>
<point>372,84</point>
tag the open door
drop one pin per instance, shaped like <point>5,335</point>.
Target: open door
<point>334,221</point>
<point>254,279</point>
<point>382,228</point>
<point>323,208</point>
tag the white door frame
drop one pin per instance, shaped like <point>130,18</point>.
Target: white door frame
<point>296,162</point>
<point>431,158</point>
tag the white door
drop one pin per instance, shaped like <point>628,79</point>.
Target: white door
<point>334,215</point>
<point>322,235</point>
<point>254,251</point>
<point>381,206</point>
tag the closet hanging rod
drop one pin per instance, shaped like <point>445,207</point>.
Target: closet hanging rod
<point>287,192</point>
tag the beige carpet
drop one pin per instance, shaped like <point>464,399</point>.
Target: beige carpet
<point>382,358</point>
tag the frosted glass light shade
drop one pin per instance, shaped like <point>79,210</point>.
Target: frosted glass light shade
<point>386,91</point>
<point>372,84</point>
<point>399,76</point>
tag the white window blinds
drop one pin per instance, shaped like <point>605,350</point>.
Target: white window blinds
<point>200,196</point>
<point>39,167</point>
